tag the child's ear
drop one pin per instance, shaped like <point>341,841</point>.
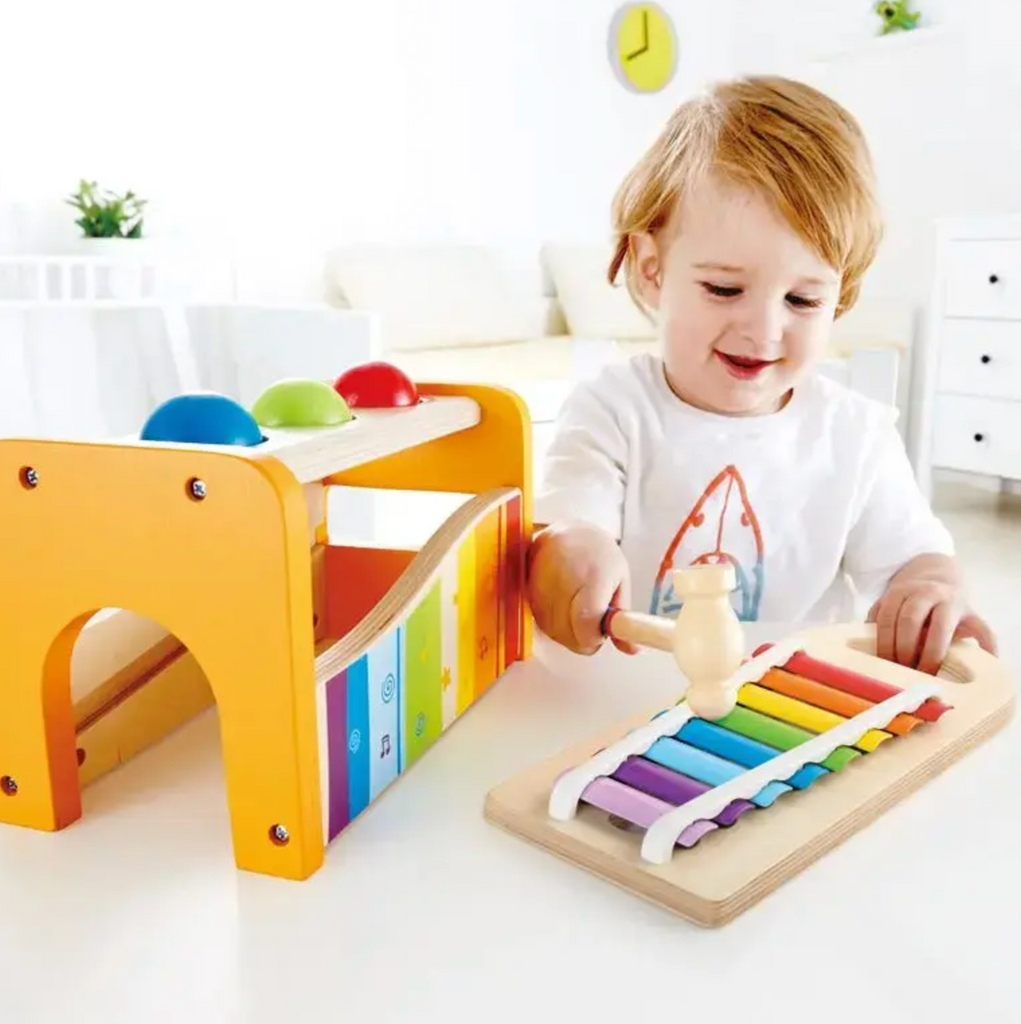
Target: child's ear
<point>648,276</point>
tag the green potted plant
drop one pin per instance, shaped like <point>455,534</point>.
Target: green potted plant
<point>107,222</point>
<point>105,214</point>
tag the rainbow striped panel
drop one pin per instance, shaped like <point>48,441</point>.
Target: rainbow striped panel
<point>513,583</point>
<point>358,737</point>
<point>381,713</point>
<point>347,744</point>
<point>466,633</point>
<point>423,647</point>
<point>449,654</point>
<point>385,701</point>
<point>488,545</point>
<point>788,706</point>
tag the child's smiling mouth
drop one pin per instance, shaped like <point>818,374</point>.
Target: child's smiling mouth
<point>744,367</point>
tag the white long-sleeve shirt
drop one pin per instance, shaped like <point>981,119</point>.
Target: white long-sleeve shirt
<point>811,504</point>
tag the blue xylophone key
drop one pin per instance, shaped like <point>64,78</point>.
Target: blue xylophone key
<point>804,777</point>
<point>715,739</point>
<point>769,793</point>
<point>707,767</point>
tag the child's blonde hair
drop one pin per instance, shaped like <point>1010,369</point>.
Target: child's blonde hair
<point>786,140</point>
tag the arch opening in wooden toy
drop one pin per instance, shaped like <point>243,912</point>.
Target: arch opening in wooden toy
<point>129,677</point>
<point>129,682</point>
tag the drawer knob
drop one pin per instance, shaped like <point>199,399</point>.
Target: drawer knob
<point>979,437</point>
<point>993,278</point>
<point>986,359</point>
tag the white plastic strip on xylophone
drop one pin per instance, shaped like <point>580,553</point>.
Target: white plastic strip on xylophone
<point>662,835</point>
<point>567,790</point>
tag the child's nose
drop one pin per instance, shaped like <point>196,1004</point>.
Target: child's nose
<point>763,325</point>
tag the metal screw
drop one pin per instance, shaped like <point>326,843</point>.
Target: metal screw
<point>280,835</point>
<point>197,488</point>
<point>29,477</point>
<point>8,786</point>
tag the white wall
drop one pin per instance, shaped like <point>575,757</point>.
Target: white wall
<point>940,108</point>
<point>274,136</point>
<point>277,131</point>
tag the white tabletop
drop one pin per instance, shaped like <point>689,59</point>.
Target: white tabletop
<point>424,912</point>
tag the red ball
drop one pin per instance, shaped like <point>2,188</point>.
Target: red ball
<point>376,385</point>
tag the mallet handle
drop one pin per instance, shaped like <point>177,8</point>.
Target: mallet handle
<point>638,628</point>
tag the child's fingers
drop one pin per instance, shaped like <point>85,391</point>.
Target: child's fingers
<point>885,613</point>
<point>912,616</point>
<point>971,626</point>
<point>574,574</point>
<point>588,608</point>
<point>549,597</point>
<point>937,637</point>
<point>622,599</point>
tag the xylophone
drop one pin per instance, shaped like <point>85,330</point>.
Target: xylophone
<point>705,816</point>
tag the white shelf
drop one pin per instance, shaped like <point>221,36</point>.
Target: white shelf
<point>872,46</point>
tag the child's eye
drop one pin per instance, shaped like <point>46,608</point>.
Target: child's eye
<point>724,291</point>
<point>804,303</point>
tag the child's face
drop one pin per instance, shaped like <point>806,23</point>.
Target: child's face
<point>744,306</point>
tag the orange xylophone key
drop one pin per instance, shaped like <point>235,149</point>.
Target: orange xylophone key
<point>873,690</point>
<point>829,699</point>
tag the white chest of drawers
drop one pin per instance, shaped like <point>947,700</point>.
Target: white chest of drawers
<point>970,378</point>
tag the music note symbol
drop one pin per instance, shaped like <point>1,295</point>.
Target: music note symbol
<point>384,745</point>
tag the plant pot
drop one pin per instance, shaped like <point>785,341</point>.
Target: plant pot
<point>117,268</point>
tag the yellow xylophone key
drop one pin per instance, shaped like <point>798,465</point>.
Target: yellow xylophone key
<point>797,712</point>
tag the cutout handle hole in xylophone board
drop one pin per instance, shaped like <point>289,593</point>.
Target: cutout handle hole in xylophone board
<point>953,669</point>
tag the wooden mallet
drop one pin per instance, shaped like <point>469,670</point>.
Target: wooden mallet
<point>705,639</point>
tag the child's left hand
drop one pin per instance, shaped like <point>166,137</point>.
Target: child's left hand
<point>923,612</point>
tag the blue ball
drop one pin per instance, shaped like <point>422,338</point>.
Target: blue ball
<point>202,418</point>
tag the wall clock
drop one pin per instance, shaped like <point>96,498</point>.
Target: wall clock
<point>643,47</point>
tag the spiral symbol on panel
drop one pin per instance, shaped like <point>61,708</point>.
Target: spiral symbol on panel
<point>354,741</point>
<point>420,724</point>
<point>389,688</point>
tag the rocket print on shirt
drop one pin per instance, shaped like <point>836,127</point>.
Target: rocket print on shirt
<point>724,526</point>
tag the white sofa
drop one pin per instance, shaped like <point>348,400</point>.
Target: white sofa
<point>537,321</point>
<point>540,321</point>
<point>97,370</point>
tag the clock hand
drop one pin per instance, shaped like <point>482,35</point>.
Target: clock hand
<point>645,38</point>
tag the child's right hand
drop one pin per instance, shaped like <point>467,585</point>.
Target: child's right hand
<point>575,572</point>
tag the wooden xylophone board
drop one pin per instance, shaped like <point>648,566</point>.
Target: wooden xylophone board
<point>707,818</point>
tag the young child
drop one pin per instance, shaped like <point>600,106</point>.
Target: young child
<point>744,231</point>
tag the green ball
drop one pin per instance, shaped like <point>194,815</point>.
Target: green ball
<point>301,403</point>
